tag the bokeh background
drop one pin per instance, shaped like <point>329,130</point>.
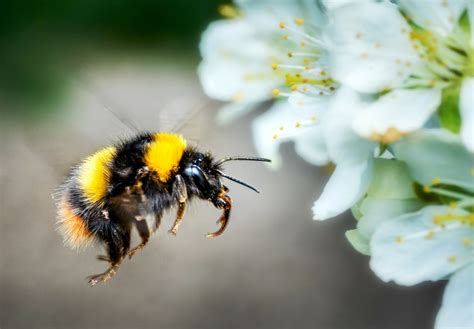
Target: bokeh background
<point>78,75</point>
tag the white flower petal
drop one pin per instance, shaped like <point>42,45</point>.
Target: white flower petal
<point>231,72</point>
<point>398,112</point>
<point>410,249</point>
<point>369,46</point>
<point>275,11</point>
<point>227,80</point>
<point>264,128</point>
<point>466,106</point>
<point>310,145</point>
<point>457,310</point>
<point>439,154</point>
<point>224,39</point>
<point>277,125</point>
<point>333,4</point>
<point>306,103</point>
<point>437,16</point>
<point>346,185</point>
<point>344,146</point>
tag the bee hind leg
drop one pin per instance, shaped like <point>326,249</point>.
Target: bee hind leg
<point>144,232</point>
<point>105,276</point>
<point>116,251</point>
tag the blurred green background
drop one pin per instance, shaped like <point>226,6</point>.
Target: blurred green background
<point>43,44</point>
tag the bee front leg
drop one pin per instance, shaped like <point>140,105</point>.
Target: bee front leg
<point>222,202</point>
<point>179,189</point>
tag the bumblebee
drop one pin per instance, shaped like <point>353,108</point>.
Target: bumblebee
<point>132,184</point>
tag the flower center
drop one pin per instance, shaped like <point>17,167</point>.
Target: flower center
<point>304,66</point>
<point>447,59</point>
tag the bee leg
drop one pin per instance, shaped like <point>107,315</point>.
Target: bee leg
<point>105,276</point>
<point>158,218</point>
<point>223,202</point>
<point>117,248</point>
<point>179,189</point>
<point>144,232</point>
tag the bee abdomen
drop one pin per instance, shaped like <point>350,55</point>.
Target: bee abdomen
<point>73,227</point>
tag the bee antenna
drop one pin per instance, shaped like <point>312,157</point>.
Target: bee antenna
<point>242,159</point>
<point>238,181</point>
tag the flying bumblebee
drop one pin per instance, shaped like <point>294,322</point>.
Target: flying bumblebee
<point>131,185</point>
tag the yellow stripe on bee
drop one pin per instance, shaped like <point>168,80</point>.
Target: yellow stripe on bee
<point>94,174</point>
<point>163,154</point>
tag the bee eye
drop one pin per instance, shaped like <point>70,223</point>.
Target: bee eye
<point>199,158</point>
<point>198,177</point>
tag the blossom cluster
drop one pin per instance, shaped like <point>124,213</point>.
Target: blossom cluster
<point>384,91</point>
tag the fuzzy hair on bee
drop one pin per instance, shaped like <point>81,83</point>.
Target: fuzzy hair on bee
<point>131,185</point>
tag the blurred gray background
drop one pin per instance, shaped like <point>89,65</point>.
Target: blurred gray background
<point>273,268</point>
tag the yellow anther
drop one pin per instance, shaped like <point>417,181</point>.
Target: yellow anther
<point>290,54</point>
<point>426,189</point>
<point>297,124</point>
<point>281,128</point>
<point>441,219</point>
<point>436,181</point>
<point>274,66</point>
<point>299,21</point>
<point>452,259</point>
<point>282,25</point>
<point>275,92</point>
<point>302,44</point>
<point>294,87</point>
<point>275,136</point>
<point>228,11</point>
<point>399,239</point>
<point>358,35</point>
<point>467,242</point>
<point>285,37</point>
<point>429,235</point>
<point>313,118</point>
<point>323,73</point>
<point>364,55</point>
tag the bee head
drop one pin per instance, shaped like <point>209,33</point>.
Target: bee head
<point>204,174</point>
<point>199,172</point>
